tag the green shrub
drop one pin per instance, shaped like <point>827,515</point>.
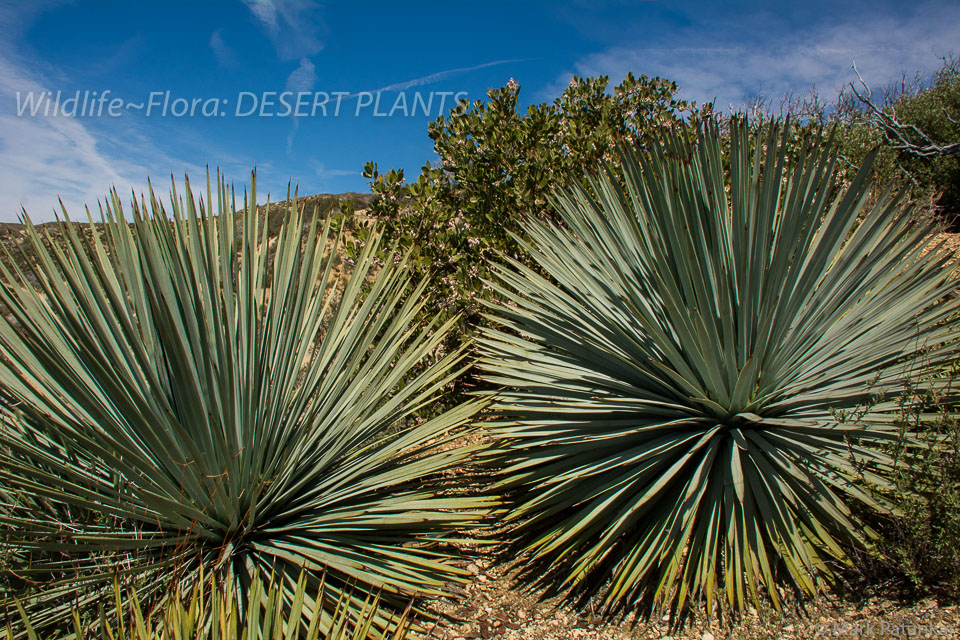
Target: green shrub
<point>497,163</point>
<point>191,398</point>
<point>919,544</point>
<point>931,104</point>
<point>935,110</point>
<point>683,387</point>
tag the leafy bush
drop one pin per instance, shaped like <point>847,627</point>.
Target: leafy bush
<point>190,398</point>
<point>935,111</point>
<point>684,385</point>
<point>496,164</point>
<point>919,544</point>
<point>925,109</point>
<point>215,611</point>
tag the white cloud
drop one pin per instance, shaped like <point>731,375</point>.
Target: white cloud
<point>266,12</point>
<point>327,178</point>
<point>323,172</point>
<point>304,77</point>
<point>221,50</point>
<point>293,26</point>
<point>301,79</point>
<point>79,159</point>
<point>43,157</point>
<point>734,63</point>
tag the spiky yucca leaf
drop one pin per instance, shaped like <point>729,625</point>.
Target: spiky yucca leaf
<point>684,393</point>
<point>191,395</point>
<point>216,611</point>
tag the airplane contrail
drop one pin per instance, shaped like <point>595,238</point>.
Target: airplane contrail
<point>435,77</point>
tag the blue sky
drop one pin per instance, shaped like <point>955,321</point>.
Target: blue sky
<point>230,56</point>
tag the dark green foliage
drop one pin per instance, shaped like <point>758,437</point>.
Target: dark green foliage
<point>497,163</point>
<point>919,546</point>
<point>917,111</point>
<point>935,111</point>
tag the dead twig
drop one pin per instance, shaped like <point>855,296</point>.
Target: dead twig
<point>901,134</point>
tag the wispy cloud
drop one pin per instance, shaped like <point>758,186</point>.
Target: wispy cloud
<point>124,55</point>
<point>323,172</point>
<point>16,17</point>
<point>294,26</point>
<point>328,177</point>
<point>434,77</point>
<point>301,80</point>
<point>224,54</point>
<point>45,157</point>
<point>304,78</point>
<point>441,75</point>
<point>733,64</point>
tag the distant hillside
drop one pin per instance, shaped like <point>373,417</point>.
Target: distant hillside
<point>12,235</point>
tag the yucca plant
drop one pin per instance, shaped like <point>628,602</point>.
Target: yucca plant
<point>696,381</point>
<point>189,394</point>
<point>216,611</point>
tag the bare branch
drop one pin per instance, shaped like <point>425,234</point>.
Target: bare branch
<point>947,116</point>
<point>913,181</point>
<point>901,134</point>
